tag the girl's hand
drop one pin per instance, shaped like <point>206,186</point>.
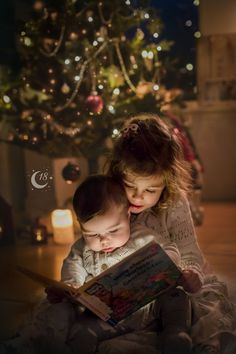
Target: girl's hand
<point>190,281</point>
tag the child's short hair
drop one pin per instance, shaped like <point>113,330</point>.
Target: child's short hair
<point>148,146</point>
<point>95,195</point>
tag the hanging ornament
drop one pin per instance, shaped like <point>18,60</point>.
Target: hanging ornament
<point>94,103</point>
<point>65,88</point>
<point>71,172</point>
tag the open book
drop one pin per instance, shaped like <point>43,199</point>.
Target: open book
<point>125,287</point>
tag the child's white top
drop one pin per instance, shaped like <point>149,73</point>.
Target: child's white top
<point>82,263</point>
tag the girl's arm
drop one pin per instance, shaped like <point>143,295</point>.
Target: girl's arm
<point>142,235</point>
<point>182,232</point>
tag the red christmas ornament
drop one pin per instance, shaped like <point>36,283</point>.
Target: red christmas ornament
<point>94,104</point>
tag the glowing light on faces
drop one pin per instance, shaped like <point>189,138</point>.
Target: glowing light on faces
<point>143,192</point>
<point>108,231</point>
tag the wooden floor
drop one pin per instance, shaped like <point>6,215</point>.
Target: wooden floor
<point>217,238</point>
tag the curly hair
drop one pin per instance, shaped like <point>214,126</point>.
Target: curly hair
<point>147,146</point>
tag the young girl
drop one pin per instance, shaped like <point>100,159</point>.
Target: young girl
<point>147,158</point>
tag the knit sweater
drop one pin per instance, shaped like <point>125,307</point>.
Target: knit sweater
<point>82,263</point>
<point>174,225</point>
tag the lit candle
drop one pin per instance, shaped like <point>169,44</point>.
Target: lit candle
<point>62,223</point>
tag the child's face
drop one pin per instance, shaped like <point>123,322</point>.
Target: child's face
<point>143,192</point>
<point>108,231</point>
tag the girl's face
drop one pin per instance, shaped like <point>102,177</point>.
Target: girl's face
<point>143,192</point>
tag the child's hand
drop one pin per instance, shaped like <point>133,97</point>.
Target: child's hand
<point>190,281</point>
<point>54,295</point>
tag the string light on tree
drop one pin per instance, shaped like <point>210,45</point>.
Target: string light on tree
<point>189,67</point>
<point>196,2</point>
<point>197,34</point>
<point>6,99</point>
<point>111,109</point>
<point>156,87</point>
<point>188,23</point>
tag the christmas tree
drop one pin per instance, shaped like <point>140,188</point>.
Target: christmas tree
<point>85,66</point>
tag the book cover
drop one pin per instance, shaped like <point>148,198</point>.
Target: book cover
<point>125,287</point>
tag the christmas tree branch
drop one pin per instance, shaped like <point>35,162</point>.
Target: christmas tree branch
<point>81,75</point>
<point>123,68</point>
